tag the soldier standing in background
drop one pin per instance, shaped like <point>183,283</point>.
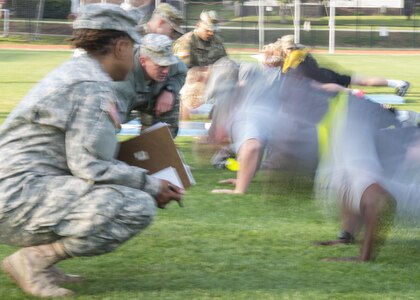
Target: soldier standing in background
<point>166,20</point>
<point>202,46</point>
<point>198,49</point>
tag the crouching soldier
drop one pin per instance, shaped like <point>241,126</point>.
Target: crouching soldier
<point>62,192</point>
<point>153,87</point>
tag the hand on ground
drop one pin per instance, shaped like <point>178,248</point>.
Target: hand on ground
<point>225,191</point>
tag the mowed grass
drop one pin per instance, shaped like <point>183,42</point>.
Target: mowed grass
<point>20,70</point>
<point>257,246</point>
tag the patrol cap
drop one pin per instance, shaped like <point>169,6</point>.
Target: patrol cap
<point>102,16</point>
<point>159,48</point>
<point>209,19</point>
<point>171,15</point>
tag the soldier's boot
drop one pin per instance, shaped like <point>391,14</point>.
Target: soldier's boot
<point>61,277</point>
<point>28,267</point>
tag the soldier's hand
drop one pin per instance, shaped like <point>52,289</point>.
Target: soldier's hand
<point>164,103</point>
<point>167,193</point>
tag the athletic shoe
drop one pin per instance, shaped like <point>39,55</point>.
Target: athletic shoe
<point>402,90</point>
<point>219,159</point>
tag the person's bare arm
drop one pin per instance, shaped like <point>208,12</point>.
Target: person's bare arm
<point>378,209</point>
<point>248,157</point>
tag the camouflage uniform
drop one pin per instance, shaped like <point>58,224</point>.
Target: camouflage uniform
<point>143,29</point>
<point>194,52</point>
<point>58,176</point>
<point>141,94</point>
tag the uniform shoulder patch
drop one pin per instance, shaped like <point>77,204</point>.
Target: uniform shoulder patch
<point>110,107</point>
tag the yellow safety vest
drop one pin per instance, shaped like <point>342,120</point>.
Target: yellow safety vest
<point>294,59</point>
<point>334,116</point>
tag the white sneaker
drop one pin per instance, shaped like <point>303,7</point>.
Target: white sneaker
<point>402,90</point>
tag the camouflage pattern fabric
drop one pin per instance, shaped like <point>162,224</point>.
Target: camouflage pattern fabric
<point>210,20</point>
<point>143,29</point>
<point>158,48</point>
<point>103,16</point>
<point>192,93</point>
<point>195,52</point>
<point>172,15</point>
<point>137,93</point>
<point>59,179</point>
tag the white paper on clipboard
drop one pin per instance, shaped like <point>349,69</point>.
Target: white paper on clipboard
<point>170,174</point>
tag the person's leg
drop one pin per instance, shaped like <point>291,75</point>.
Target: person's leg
<point>28,267</point>
<point>400,86</point>
<point>104,217</point>
<point>377,209</point>
<point>368,81</point>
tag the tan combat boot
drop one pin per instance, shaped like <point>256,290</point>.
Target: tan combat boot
<point>61,277</point>
<point>28,267</point>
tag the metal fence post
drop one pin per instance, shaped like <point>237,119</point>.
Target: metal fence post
<point>6,14</point>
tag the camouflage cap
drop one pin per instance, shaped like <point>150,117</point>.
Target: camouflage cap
<point>171,15</point>
<point>159,48</point>
<point>209,19</point>
<point>101,16</point>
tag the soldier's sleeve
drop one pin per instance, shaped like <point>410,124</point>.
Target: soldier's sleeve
<point>177,76</point>
<point>221,50</point>
<point>224,53</point>
<point>182,49</point>
<point>176,79</point>
<point>91,142</point>
<point>126,97</point>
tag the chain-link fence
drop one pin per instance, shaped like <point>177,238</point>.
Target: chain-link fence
<point>386,23</point>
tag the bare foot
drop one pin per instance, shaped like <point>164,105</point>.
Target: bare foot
<point>229,181</point>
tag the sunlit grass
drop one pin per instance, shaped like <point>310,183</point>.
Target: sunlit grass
<point>258,246</point>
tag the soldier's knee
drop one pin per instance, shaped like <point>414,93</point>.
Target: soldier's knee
<point>115,218</point>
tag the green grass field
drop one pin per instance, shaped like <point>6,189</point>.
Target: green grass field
<point>257,246</point>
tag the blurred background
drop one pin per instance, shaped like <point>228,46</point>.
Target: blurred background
<point>357,23</point>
